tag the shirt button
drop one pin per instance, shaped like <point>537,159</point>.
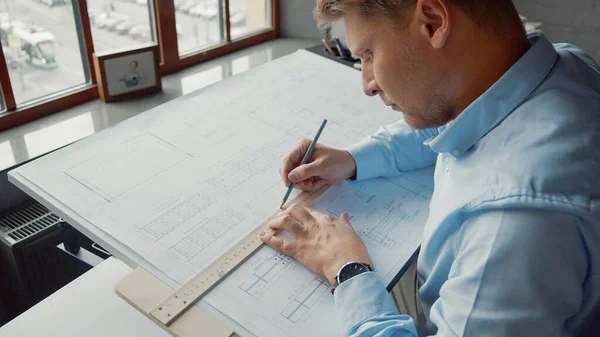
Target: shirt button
<point>456,152</point>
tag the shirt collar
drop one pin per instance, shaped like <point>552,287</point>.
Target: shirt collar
<point>499,101</point>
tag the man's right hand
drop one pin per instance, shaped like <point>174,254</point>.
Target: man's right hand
<point>325,166</point>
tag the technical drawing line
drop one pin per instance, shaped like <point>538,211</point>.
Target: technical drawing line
<point>305,300</point>
<point>93,172</point>
<point>171,145</point>
<point>207,233</point>
<point>241,171</point>
<point>88,187</point>
<point>345,202</point>
<point>267,272</point>
<point>391,181</point>
<point>254,204</point>
<point>178,215</point>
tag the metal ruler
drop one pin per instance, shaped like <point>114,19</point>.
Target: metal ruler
<point>188,294</point>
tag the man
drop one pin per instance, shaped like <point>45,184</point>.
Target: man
<point>512,243</point>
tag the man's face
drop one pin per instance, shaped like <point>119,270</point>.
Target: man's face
<point>401,67</point>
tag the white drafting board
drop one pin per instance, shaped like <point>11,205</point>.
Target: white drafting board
<point>172,188</point>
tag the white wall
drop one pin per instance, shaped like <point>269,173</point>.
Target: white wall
<point>573,21</point>
<point>297,19</point>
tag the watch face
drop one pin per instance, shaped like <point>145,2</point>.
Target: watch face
<point>351,270</point>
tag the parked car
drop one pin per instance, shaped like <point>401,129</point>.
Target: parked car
<point>52,3</point>
<point>111,25</point>
<point>123,27</point>
<point>108,20</point>
<point>100,19</point>
<point>205,11</point>
<point>140,32</point>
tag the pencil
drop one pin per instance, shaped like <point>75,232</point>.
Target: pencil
<point>304,160</point>
<point>340,48</point>
<point>326,44</point>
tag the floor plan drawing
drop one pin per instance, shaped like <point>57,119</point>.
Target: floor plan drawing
<point>264,274</point>
<point>177,215</point>
<point>241,171</point>
<point>122,163</point>
<point>379,233</point>
<point>206,233</point>
<point>304,300</point>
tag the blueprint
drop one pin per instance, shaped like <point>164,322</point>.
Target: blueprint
<point>272,295</point>
<point>173,188</point>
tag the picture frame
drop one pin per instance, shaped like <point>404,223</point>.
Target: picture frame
<point>129,73</point>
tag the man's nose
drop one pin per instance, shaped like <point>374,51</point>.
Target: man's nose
<point>370,86</point>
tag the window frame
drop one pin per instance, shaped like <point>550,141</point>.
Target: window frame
<point>171,61</point>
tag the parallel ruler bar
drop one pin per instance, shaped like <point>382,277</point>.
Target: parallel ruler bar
<point>188,294</point>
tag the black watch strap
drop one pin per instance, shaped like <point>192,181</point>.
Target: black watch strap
<point>350,270</point>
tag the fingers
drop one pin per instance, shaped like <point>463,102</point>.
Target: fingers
<point>326,219</point>
<point>280,245</point>
<point>300,214</point>
<point>286,222</point>
<point>292,160</point>
<point>321,217</point>
<point>310,184</point>
<point>304,172</point>
<point>345,218</point>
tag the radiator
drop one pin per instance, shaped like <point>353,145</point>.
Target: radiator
<point>31,267</point>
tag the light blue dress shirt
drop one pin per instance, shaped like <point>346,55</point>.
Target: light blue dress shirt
<point>512,243</point>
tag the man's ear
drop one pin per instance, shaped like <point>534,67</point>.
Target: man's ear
<point>434,20</point>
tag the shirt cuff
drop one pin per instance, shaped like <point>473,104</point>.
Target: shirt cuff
<point>362,297</point>
<point>369,159</point>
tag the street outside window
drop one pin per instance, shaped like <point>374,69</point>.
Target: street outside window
<point>200,24</point>
<point>118,24</point>
<point>41,47</point>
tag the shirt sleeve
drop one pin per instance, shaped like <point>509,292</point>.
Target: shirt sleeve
<point>367,309</point>
<point>393,149</point>
<point>515,273</point>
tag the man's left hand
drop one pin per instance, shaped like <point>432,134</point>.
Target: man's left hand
<point>321,243</point>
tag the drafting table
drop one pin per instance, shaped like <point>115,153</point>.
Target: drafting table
<point>170,189</point>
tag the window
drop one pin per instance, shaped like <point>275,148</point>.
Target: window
<point>41,45</point>
<point>248,16</point>
<point>200,24</point>
<point>118,24</point>
<point>48,44</point>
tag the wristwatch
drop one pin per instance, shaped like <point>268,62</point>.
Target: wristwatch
<point>351,269</point>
